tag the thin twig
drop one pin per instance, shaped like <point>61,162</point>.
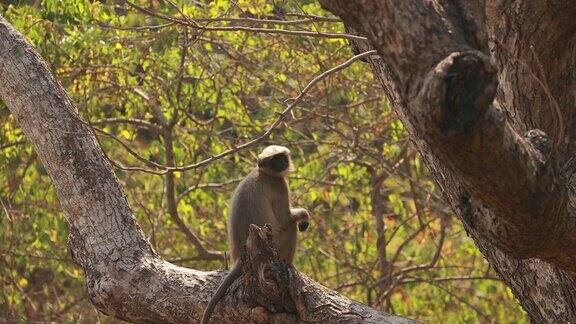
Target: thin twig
<point>281,116</point>
<point>205,185</point>
<point>193,24</point>
<point>8,145</point>
<point>131,121</point>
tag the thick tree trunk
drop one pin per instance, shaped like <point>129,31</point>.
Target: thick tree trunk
<point>124,276</point>
<point>487,91</point>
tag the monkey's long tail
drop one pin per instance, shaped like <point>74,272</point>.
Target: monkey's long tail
<point>224,285</point>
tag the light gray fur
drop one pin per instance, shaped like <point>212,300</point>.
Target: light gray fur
<point>263,197</point>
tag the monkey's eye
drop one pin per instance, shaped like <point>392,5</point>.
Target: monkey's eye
<point>279,162</point>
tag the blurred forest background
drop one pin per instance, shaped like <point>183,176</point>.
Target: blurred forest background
<point>174,83</point>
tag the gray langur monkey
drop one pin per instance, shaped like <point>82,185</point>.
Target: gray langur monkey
<point>263,197</point>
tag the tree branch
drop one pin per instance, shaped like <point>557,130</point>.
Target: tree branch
<point>130,121</point>
<point>192,23</point>
<point>172,203</point>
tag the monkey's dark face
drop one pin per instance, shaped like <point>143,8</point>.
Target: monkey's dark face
<point>279,163</point>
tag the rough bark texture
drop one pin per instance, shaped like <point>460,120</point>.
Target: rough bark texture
<point>124,276</point>
<point>487,91</point>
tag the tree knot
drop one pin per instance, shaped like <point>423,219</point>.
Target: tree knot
<point>540,142</point>
<point>456,93</point>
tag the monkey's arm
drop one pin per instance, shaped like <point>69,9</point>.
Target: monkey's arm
<point>299,214</point>
<point>301,217</point>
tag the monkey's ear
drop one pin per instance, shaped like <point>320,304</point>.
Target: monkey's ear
<point>290,165</point>
<point>262,162</point>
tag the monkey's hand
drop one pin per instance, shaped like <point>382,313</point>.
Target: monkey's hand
<point>301,217</point>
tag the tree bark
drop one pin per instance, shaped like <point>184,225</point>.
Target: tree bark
<point>486,91</point>
<point>125,277</point>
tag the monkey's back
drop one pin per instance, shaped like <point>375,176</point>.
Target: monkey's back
<point>260,199</point>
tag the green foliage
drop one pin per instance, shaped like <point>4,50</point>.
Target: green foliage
<point>222,88</point>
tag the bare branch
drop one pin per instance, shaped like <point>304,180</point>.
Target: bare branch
<point>9,145</point>
<point>130,121</point>
<point>170,193</point>
<point>281,116</point>
<point>189,22</point>
<point>204,186</point>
